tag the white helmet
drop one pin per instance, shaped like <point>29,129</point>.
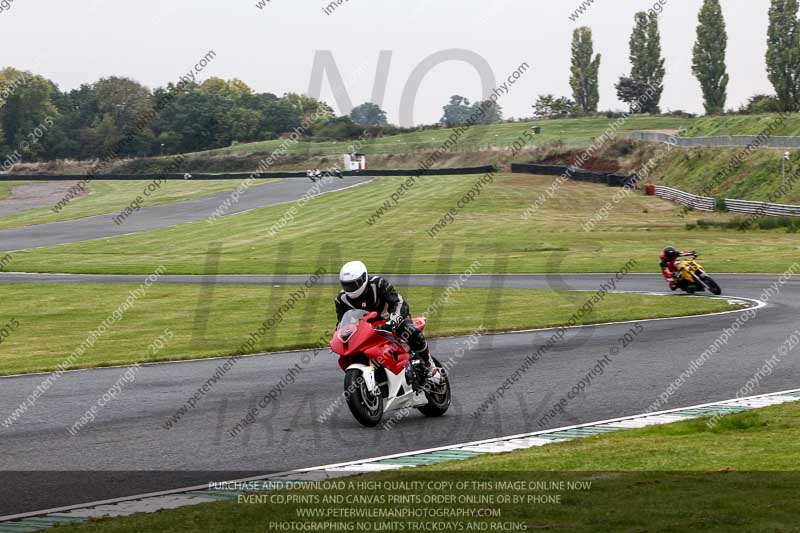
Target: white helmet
<point>353,278</point>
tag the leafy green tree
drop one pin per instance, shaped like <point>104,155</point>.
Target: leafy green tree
<point>243,124</point>
<point>234,88</point>
<point>369,114</point>
<point>74,136</point>
<point>338,129</point>
<point>280,116</point>
<point>761,103</point>
<point>492,112</point>
<point>126,117</point>
<point>548,106</point>
<point>708,63</point>
<point>585,71</point>
<point>647,66</point>
<point>783,52</point>
<point>198,120</point>
<point>311,109</point>
<point>457,112</point>
<point>633,92</point>
<point>276,115</point>
<point>28,102</point>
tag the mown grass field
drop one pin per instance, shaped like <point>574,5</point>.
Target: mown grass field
<point>572,132</point>
<point>740,476</point>
<point>110,196</point>
<point>334,228</point>
<point>55,319</point>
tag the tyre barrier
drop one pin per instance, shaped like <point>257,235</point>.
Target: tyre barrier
<point>577,174</point>
<point>747,207</point>
<point>244,175</point>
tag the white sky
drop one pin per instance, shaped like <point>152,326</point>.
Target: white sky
<point>75,41</point>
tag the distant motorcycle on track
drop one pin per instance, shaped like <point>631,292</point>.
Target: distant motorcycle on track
<point>382,373</point>
<point>696,280</point>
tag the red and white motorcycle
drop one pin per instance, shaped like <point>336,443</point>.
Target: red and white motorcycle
<point>381,372</point>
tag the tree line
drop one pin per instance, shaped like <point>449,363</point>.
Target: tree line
<point>92,120</point>
<point>121,116</point>
<point>644,85</point>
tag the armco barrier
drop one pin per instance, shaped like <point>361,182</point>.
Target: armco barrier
<point>699,203</point>
<point>244,175</point>
<point>747,207</point>
<point>612,180</point>
<point>724,141</point>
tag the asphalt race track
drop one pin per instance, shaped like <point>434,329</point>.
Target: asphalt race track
<point>128,434</point>
<point>160,216</point>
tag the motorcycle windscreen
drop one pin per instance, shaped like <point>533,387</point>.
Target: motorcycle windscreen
<point>349,324</point>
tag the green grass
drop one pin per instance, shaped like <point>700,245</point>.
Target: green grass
<point>743,125</point>
<point>6,186</point>
<point>759,177</point>
<point>750,441</point>
<point>113,196</point>
<point>55,319</point>
<point>333,228</point>
<point>740,476</point>
<point>573,132</point>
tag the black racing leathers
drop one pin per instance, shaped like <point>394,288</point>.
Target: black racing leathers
<point>381,297</point>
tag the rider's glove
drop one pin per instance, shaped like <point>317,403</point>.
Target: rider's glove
<point>396,319</point>
<point>675,275</point>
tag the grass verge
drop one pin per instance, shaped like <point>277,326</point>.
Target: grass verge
<point>493,229</point>
<point>53,320</point>
<point>740,476</point>
<point>114,196</point>
<point>571,132</point>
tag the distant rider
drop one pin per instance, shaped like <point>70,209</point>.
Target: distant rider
<point>360,291</point>
<point>669,256</point>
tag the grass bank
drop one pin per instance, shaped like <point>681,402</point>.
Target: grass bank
<point>744,125</point>
<point>53,320</point>
<point>572,132</point>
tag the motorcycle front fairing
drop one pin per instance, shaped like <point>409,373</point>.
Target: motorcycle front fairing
<point>356,339</point>
<point>356,336</point>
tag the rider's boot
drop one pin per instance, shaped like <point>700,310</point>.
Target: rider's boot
<point>433,374</point>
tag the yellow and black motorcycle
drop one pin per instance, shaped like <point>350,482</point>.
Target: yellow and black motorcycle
<point>696,280</point>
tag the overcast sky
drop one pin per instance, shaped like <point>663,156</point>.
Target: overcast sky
<point>273,49</point>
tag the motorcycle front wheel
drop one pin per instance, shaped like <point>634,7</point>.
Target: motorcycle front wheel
<point>438,401</point>
<point>366,407</point>
<point>712,285</point>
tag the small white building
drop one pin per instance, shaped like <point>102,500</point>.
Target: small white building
<point>355,162</point>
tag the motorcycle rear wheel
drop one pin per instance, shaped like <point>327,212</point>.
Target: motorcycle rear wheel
<point>438,402</point>
<point>366,407</point>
